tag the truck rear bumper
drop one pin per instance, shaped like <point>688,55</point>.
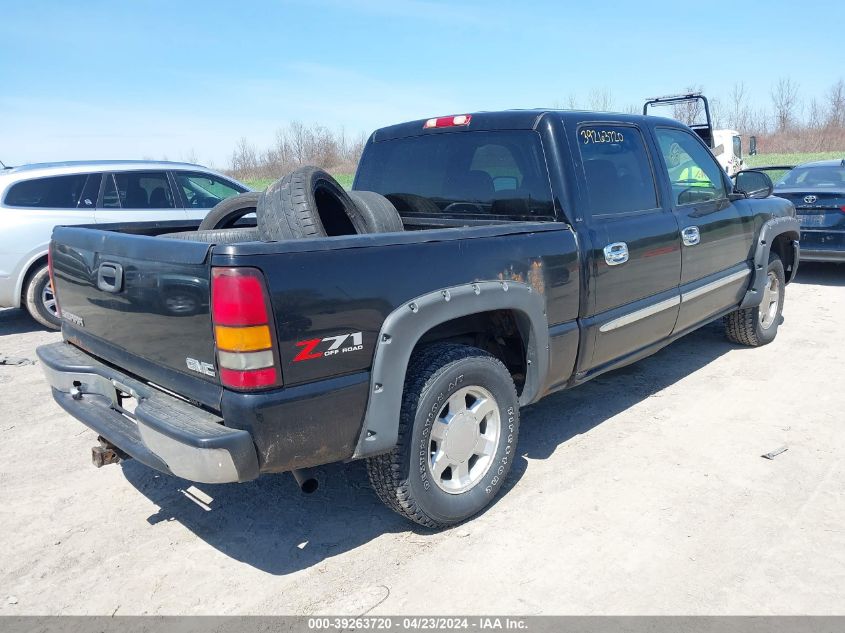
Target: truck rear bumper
<point>164,432</point>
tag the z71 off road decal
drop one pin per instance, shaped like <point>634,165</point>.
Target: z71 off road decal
<point>329,346</point>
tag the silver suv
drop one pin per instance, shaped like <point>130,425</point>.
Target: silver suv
<point>35,198</point>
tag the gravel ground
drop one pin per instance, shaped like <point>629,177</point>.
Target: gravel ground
<point>642,492</point>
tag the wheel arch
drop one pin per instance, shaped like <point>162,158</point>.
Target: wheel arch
<point>780,235</point>
<point>33,263</point>
<point>444,315</point>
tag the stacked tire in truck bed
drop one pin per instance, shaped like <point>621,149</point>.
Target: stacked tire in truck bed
<point>306,203</point>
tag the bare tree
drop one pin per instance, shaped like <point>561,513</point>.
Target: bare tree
<point>689,112</point>
<point>572,101</point>
<point>836,104</point>
<point>785,102</point>
<point>601,100</point>
<point>738,114</point>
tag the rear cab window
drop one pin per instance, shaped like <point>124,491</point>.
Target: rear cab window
<point>55,192</point>
<point>500,175</point>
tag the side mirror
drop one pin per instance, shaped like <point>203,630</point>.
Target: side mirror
<point>752,146</point>
<point>753,184</point>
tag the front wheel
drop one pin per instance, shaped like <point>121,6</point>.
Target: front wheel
<point>458,432</point>
<point>759,326</point>
<point>40,299</point>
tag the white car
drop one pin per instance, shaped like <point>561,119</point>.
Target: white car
<point>35,198</point>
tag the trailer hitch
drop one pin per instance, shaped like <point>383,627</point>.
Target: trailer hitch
<point>107,453</point>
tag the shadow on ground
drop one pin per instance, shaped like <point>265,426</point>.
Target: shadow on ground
<point>821,274</point>
<point>272,526</point>
<point>14,321</point>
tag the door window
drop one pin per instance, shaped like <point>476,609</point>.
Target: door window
<point>617,169</point>
<point>138,190</point>
<point>88,199</point>
<point>693,172</point>
<point>56,192</point>
<point>203,191</point>
<point>111,200</point>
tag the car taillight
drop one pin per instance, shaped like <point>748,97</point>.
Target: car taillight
<point>448,121</point>
<point>53,281</point>
<point>243,329</point>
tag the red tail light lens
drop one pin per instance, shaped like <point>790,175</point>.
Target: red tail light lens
<point>243,329</point>
<point>53,280</point>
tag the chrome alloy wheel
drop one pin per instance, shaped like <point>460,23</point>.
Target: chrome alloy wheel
<point>48,298</point>
<point>771,299</point>
<point>464,439</point>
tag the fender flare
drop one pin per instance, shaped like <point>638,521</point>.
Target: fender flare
<point>403,329</point>
<point>768,232</point>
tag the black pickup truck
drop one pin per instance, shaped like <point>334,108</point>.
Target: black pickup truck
<point>540,249</point>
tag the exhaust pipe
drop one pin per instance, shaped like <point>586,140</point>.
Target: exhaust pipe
<point>306,480</point>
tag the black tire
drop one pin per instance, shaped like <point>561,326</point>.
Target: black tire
<point>310,203</point>
<point>218,236</point>
<point>226,212</point>
<point>403,478</point>
<point>37,289</point>
<point>746,326</point>
<point>378,214</point>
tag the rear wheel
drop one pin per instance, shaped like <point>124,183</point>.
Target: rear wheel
<point>759,326</point>
<point>458,431</point>
<point>40,300</point>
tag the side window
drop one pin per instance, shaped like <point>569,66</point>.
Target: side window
<point>56,192</point>
<point>693,172</point>
<point>143,190</point>
<point>617,169</point>
<point>203,191</point>
<point>90,191</point>
<point>111,200</point>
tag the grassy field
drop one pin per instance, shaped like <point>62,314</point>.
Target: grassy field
<point>259,185</point>
<point>764,160</point>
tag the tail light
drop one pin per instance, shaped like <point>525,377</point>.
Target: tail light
<point>53,280</point>
<point>243,329</point>
<point>448,121</point>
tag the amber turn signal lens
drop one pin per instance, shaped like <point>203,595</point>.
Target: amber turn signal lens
<point>243,339</point>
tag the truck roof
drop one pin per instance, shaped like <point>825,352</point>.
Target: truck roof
<point>512,120</point>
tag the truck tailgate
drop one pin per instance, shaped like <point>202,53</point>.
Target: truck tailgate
<point>141,303</point>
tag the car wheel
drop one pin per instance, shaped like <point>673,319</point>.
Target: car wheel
<point>40,300</point>
<point>458,431</point>
<point>759,326</point>
<point>226,212</point>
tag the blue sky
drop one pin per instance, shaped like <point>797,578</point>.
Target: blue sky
<point>153,79</point>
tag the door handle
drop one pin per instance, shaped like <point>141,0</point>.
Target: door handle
<point>691,236</point>
<point>616,253</point>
